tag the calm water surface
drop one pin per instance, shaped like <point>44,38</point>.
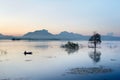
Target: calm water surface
<point>51,62</point>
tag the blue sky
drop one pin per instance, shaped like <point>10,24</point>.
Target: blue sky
<point>80,16</point>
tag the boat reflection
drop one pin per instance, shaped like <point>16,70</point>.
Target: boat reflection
<point>42,46</point>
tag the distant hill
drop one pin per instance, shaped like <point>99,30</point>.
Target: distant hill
<point>39,34</point>
<point>70,36</point>
<point>45,35</point>
<point>5,36</point>
<point>1,35</point>
<point>109,38</point>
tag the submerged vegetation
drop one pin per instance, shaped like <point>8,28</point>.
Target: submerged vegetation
<point>91,70</point>
<point>71,47</point>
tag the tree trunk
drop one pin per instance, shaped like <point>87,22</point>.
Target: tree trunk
<point>94,45</point>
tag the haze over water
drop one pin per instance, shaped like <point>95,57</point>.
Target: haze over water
<point>51,62</point>
<point>40,27</point>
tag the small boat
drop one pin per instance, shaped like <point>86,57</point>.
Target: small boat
<point>27,53</point>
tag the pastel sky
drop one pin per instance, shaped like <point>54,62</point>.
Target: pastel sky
<point>18,17</point>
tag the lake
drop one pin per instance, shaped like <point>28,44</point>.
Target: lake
<point>51,62</point>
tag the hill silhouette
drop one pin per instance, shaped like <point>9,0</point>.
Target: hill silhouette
<point>39,34</point>
<point>46,35</point>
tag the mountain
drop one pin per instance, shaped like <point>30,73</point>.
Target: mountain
<point>39,34</point>
<point>1,35</point>
<point>108,38</point>
<point>44,34</point>
<point>5,36</point>
<point>69,35</point>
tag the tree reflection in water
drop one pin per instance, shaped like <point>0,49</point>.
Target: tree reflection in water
<point>70,47</point>
<point>70,51</point>
<point>3,52</point>
<point>95,56</point>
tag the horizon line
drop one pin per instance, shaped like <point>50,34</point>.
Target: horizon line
<point>18,35</point>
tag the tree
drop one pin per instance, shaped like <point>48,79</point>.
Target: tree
<point>95,39</point>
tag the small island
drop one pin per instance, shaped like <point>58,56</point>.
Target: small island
<point>71,45</point>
